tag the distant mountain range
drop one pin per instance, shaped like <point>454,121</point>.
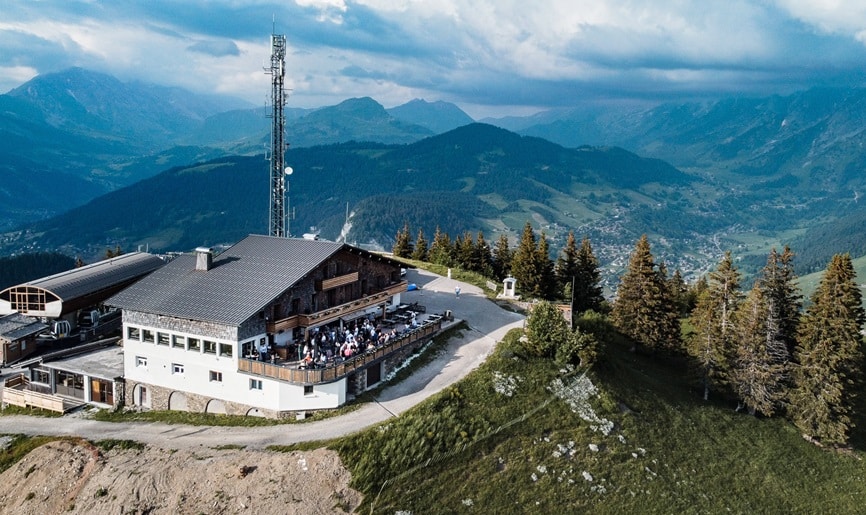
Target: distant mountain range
<point>750,173</point>
<point>477,177</point>
<point>68,137</point>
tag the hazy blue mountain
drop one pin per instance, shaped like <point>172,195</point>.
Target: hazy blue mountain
<point>242,131</point>
<point>98,105</point>
<point>438,116</point>
<point>809,141</point>
<point>70,136</point>
<point>356,119</point>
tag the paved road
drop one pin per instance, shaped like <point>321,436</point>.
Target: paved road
<point>487,325</point>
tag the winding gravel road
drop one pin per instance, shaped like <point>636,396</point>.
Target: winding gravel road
<point>487,323</point>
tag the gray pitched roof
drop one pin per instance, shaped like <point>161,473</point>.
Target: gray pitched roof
<point>241,282</point>
<point>98,276</point>
<point>17,326</point>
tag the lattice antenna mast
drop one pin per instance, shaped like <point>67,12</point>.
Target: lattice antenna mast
<point>278,221</point>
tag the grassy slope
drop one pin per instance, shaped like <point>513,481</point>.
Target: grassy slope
<point>808,283</point>
<point>668,451</point>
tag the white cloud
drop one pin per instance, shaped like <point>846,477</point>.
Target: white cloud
<point>832,16</point>
<point>473,52</point>
<point>13,76</point>
<point>329,10</point>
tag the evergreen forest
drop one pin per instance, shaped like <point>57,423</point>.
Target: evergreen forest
<point>760,346</point>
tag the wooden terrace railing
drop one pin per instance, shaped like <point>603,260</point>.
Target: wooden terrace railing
<point>333,372</point>
<point>329,315</point>
<point>17,391</point>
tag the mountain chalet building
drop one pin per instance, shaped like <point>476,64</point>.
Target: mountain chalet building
<point>192,329</point>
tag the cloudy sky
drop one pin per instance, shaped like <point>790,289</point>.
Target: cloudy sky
<point>490,57</point>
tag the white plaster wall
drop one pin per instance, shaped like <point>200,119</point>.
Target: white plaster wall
<point>160,360</point>
<point>235,387</point>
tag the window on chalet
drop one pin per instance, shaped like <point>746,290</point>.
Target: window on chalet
<point>178,342</point>
<point>162,339</point>
<point>226,350</point>
<point>194,344</point>
<point>216,377</point>
<point>40,376</point>
<point>249,349</point>
<point>177,369</point>
<point>255,384</point>
<point>147,336</point>
<point>133,333</point>
<point>141,362</point>
<point>209,347</point>
<point>308,389</point>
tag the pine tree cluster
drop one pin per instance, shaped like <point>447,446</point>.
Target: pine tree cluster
<point>760,347</point>
<point>574,276</point>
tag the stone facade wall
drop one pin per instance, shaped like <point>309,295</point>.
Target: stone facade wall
<point>358,381</point>
<point>252,327</point>
<point>159,400</point>
<point>180,325</point>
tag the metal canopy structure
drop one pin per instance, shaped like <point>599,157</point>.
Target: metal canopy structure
<point>278,220</point>
<point>59,294</point>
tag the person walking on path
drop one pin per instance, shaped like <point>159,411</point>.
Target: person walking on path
<point>457,291</point>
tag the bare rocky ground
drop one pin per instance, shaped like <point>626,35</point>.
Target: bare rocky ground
<point>76,477</point>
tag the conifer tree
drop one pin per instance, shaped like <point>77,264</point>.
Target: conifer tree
<point>828,359</point>
<point>587,281</point>
<point>695,290</point>
<point>669,321</point>
<point>779,286</point>
<point>109,253</point>
<point>566,267</point>
<point>524,263</point>
<point>712,341</point>
<point>502,258</point>
<point>639,309</point>
<point>420,252</point>
<point>483,256</point>
<point>546,286</point>
<point>440,250</point>
<point>402,243</point>
<point>680,291</point>
<point>464,251</point>
<point>760,363</point>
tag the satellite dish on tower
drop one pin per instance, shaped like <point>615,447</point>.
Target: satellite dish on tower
<point>289,170</point>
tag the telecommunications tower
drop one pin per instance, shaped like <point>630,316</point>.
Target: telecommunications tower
<point>278,219</point>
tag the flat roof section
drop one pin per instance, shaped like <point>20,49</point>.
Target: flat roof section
<point>104,363</point>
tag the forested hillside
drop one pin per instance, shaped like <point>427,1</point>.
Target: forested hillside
<point>27,267</point>
<point>477,177</point>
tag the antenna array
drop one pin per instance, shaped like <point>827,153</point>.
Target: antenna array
<point>277,219</point>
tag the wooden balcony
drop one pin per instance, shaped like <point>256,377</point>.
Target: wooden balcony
<point>334,372</point>
<point>329,315</point>
<point>327,284</point>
